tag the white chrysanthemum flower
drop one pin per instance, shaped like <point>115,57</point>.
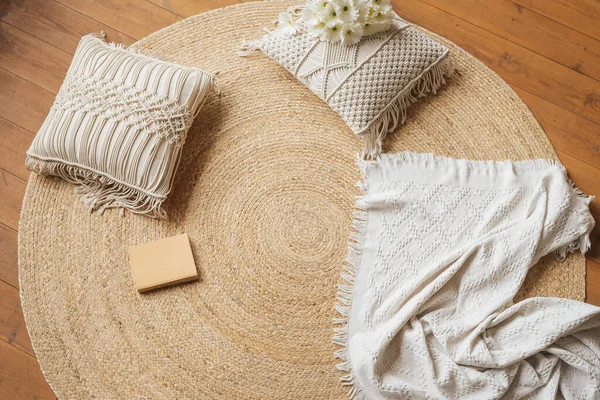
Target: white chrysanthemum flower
<point>347,11</point>
<point>287,23</point>
<point>363,7</point>
<point>382,13</point>
<point>316,29</point>
<point>351,33</point>
<point>379,18</point>
<point>333,33</point>
<point>320,4</point>
<point>310,14</point>
<point>371,28</point>
<point>329,14</point>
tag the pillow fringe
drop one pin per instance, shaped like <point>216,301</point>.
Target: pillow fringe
<point>249,47</point>
<point>99,192</point>
<point>395,113</point>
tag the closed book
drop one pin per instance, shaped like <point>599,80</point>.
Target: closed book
<point>162,263</point>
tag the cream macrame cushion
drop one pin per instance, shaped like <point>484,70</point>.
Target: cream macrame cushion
<point>370,84</point>
<point>118,125</point>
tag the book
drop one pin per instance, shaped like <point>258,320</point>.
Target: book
<point>162,263</point>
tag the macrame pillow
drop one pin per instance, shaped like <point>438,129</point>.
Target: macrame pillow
<point>118,125</point>
<point>369,84</point>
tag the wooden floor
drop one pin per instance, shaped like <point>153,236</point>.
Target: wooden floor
<point>548,50</point>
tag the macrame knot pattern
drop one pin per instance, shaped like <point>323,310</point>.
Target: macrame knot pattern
<point>140,109</point>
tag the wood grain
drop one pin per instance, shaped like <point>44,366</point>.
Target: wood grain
<point>12,191</point>
<point>187,8</point>
<point>135,18</point>
<point>20,375</point>
<point>579,15</point>
<point>55,24</point>
<point>32,59</point>
<point>568,132</point>
<point>22,102</point>
<point>531,30</point>
<point>12,323</point>
<point>516,64</point>
<point>8,257</point>
<point>14,143</point>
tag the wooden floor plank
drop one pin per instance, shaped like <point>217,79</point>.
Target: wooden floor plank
<point>14,142</point>
<point>135,18</point>
<point>32,59</point>
<point>22,102</point>
<point>514,63</point>
<point>593,286</point>
<point>20,375</point>
<point>55,23</point>
<point>12,191</point>
<point>12,323</point>
<point>567,131</point>
<point>187,8</point>
<point>531,30</point>
<point>8,256</point>
<point>582,15</point>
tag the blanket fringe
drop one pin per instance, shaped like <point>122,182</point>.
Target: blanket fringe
<point>345,291</point>
<point>395,113</point>
<point>98,192</point>
<point>430,160</point>
<point>582,243</point>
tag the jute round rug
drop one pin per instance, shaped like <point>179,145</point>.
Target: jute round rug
<point>265,191</point>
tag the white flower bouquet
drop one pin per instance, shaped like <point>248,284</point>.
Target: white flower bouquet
<point>345,21</point>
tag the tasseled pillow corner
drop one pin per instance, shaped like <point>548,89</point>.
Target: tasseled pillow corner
<point>118,125</point>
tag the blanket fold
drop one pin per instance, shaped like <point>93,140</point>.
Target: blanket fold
<point>441,248</point>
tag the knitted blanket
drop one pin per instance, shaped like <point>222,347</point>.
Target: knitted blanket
<point>440,250</point>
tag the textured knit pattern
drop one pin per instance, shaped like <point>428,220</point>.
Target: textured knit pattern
<point>370,84</point>
<point>369,90</point>
<point>118,125</point>
<point>443,247</point>
<point>288,50</point>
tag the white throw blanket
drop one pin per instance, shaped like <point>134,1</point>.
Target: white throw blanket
<point>440,250</point>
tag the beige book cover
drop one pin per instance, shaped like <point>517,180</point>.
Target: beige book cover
<point>162,263</point>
